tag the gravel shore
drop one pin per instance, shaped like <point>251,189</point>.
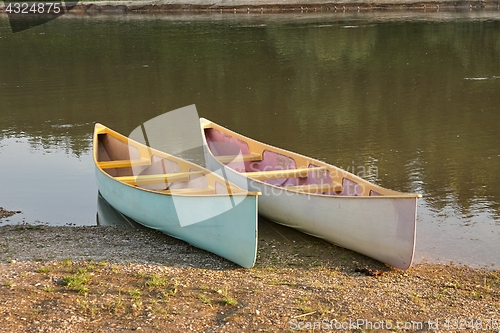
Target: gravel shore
<point>114,279</point>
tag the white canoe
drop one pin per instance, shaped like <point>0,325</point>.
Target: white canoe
<point>317,198</point>
<point>177,197</point>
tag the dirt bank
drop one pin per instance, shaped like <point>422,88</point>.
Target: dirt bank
<point>112,279</point>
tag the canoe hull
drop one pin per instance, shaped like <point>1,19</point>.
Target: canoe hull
<point>229,232</point>
<point>381,228</point>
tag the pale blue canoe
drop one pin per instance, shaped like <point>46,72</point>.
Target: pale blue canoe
<point>177,197</point>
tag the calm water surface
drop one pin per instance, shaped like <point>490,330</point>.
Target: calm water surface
<point>407,100</point>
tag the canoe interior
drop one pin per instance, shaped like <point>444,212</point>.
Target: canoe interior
<point>274,166</point>
<point>140,166</point>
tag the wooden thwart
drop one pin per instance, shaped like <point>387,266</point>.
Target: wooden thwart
<point>276,174</point>
<point>124,163</point>
<point>252,157</point>
<point>159,178</point>
<point>191,191</point>
<point>316,188</point>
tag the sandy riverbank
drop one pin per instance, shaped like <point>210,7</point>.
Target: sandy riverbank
<point>113,279</point>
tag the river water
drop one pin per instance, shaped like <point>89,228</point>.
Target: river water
<point>409,100</point>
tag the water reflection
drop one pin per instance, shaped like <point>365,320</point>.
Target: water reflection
<point>108,216</point>
<point>49,184</point>
<point>415,99</point>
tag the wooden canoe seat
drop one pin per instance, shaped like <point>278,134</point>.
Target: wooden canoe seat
<point>124,163</point>
<point>276,174</point>
<point>159,178</point>
<point>316,188</point>
<point>252,157</point>
<point>191,191</point>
